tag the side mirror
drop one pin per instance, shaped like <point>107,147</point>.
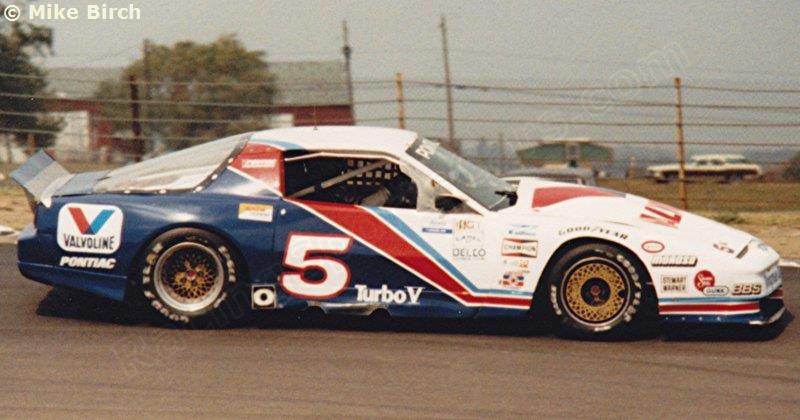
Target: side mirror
<point>447,202</point>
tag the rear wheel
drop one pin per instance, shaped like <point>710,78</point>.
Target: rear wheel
<point>598,290</point>
<point>188,278</point>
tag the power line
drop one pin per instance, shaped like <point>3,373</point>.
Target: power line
<point>607,123</point>
<point>160,120</point>
<point>741,90</point>
<point>166,102</point>
<point>310,83</point>
<point>463,86</point>
<point>669,142</point>
<point>620,103</point>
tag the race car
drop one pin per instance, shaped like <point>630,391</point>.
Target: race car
<point>360,220</point>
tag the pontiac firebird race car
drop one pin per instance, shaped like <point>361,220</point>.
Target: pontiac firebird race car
<point>358,220</point>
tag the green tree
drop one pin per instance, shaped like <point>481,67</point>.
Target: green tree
<point>20,41</point>
<point>793,171</point>
<point>223,71</point>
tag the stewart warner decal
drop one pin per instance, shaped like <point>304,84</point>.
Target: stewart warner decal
<point>89,228</point>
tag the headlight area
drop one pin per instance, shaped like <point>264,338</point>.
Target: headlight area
<point>772,277</point>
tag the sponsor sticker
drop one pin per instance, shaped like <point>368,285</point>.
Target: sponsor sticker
<point>519,247</point>
<point>440,230</point>
<point>409,295</point>
<point>746,289</point>
<point>88,262</point>
<point>255,212</point>
<point>673,283</point>
<point>517,262</point>
<point>513,279</point>
<point>89,228</point>
<point>264,297</point>
<point>716,291</point>
<point>595,230</point>
<point>521,230</point>
<point>469,253</point>
<point>653,247</point>
<point>467,232</point>
<point>674,261</point>
<point>259,163</point>
<point>704,279</point>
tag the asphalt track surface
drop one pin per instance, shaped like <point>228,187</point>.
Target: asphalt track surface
<point>64,354</point>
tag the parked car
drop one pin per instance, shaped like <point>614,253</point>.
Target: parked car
<point>580,176</point>
<point>721,167</point>
<point>362,220</point>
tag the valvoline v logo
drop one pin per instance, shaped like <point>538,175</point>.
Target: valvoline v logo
<point>89,228</point>
<point>83,224</point>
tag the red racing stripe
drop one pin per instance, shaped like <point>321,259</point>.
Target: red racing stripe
<point>547,196</point>
<point>371,229</point>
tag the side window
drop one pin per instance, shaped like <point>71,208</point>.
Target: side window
<point>702,162</point>
<point>717,162</point>
<point>349,180</point>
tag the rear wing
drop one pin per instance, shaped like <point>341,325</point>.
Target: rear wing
<point>40,176</point>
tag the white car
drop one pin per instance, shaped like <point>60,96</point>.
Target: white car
<point>724,167</point>
<point>357,220</point>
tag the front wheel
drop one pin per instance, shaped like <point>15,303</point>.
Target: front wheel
<point>187,278</point>
<point>599,290</point>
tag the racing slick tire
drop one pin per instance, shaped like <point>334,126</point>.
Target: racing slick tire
<point>597,291</point>
<point>188,278</point>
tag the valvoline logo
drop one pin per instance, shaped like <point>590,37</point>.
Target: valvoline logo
<point>89,228</point>
<point>83,224</point>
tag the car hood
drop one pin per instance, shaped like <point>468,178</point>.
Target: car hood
<point>597,205</point>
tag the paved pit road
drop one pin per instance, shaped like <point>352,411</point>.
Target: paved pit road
<point>62,353</point>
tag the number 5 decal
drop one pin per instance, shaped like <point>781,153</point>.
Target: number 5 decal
<point>335,273</point>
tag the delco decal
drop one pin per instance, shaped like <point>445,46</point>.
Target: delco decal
<point>385,295</point>
<point>89,228</point>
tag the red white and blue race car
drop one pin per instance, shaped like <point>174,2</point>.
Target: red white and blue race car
<point>358,220</point>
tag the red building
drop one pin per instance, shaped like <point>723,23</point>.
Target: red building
<point>307,93</point>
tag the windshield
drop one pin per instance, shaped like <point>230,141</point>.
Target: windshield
<point>471,179</point>
<point>181,170</point>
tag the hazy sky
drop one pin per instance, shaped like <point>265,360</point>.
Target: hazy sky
<point>501,43</point>
<point>490,39</point>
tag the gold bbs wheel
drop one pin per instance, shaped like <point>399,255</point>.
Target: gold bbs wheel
<point>595,291</point>
<point>189,276</point>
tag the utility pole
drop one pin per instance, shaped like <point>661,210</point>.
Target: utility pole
<point>146,79</point>
<point>448,89</point>
<point>681,151</point>
<point>401,106</point>
<point>136,125</point>
<point>347,51</point>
